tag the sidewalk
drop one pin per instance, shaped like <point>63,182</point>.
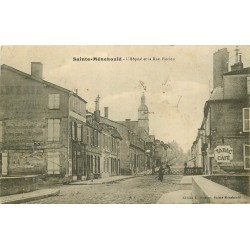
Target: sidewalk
<point>106,180</point>
<point>182,196</point>
<point>30,196</point>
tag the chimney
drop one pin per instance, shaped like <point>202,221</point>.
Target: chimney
<point>97,110</point>
<point>220,66</point>
<point>238,61</point>
<point>106,112</point>
<point>37,69</point>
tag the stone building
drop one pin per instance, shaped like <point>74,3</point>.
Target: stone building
<point>42,125</point>
<point>137,145</point>
<point>225,126</point>
<point>103,147</point>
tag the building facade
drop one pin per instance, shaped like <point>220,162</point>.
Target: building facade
<point>225,127</point>
<point>42,125</point>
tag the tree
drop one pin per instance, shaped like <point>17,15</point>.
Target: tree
<point>175,154</point>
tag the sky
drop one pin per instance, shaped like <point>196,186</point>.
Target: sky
<point>176,90</point>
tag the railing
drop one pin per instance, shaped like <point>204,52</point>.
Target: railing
<point>193,171</point>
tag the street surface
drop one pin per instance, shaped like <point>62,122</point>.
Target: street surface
<point>139,190</point>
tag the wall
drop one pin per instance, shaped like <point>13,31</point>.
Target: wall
<point>16,185</point>
<point>25,114</point>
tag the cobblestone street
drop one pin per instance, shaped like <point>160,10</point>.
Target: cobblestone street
<point>139,190</point>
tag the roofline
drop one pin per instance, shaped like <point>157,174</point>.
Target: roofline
<point>113,121</point>
<point>4,66</point>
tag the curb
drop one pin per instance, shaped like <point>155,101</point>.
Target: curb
<point>101,183</point>
<point>27,199</point>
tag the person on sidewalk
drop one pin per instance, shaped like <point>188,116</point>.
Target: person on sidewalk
<point>161,173</point>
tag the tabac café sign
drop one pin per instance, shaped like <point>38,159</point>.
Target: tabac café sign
<point>223,153</point>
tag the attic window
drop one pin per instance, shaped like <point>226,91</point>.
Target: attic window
<point>54,101</point>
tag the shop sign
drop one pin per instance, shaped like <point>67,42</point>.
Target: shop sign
<point>223,153</point>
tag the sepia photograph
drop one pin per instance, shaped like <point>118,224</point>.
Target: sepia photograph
<point>125,124</point>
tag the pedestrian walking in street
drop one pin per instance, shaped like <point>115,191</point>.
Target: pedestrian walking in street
<point>161,173</point>
<point>185,167</point>
<point>153,169</point>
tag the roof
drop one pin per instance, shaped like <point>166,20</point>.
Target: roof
<point>111,130</point>
<point>244,71</point>
<point>132,125</point>
<point>143,107</point>
<point>217,94</point>
<point>4,66</point>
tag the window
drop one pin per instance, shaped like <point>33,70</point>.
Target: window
<point>78,105</point>
<point>82,137</point>
<point>246,156</point>
<point>92,136</point>
<point>248,85</point>
<point>246,120</point>
<point>79,132</point>
<point>54,100</point>
<point>95,137</point>
<point>88,135</point>
<point>53,159</point>
<point>1,131</point>
<point>118,147</point>
<point>53,129</point>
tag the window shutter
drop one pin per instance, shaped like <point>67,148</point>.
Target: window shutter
<point>50,129</point>
<point>56,101</point>
<point>248,85</point>
<point>56,130</point>
<point>73,130</point>
<point>1,131</point>
<point>246,119</point>
<point>246,156</point>
<point>82,138</point>
<point>53,163</point>
<point>51,101</point>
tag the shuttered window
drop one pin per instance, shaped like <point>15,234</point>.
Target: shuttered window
<point>53,129</point>
<point>53,159</point>
<point>79,132</point>
<point>1,131</point>
<point>88,135</point>
<point>246,120</point>
<point>246,156</point>
<point>54,101</point>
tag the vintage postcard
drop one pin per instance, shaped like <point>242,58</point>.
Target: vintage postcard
<point>125,124</point>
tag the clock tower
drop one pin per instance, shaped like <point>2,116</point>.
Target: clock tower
<point>143,114</point>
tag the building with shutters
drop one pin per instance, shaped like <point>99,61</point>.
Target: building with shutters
<point>223,141</point>
<point>42,126</point>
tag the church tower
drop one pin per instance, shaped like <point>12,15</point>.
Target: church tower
<point>143,114</point>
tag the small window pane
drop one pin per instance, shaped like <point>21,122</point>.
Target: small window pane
<point>247,162</point>
<point>246,125</point>
<point>246,113</point>
<point>247,150</point>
